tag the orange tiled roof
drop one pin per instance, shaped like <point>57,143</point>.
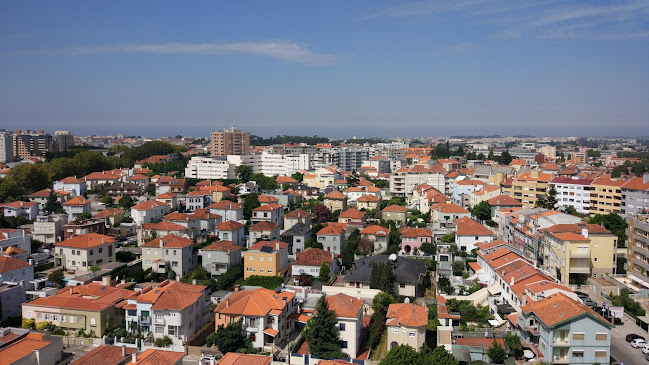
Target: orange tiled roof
<point>235,358</point>
<point>408,314</point>
<point>267,199</point>
<point>19,204</point>
<point>169,241</point>
<point>468,227</point>
<point>569,236</point>
<point>449,208</point>
<point>558,308</point>
<point>257,302</point>
<point>158,357</point>
<point>10,264</point>
<point>164,226</point>
<point>345,306</point>
<point>225,246</point>
<point>376,230</point>
<point>273,244</point>
<point>368,198</point>
<point>416,232</point>
<point>103,354</point>
<point>263,226</point>
<point>228,226</point>
<point>86,241</point>
<point>352,213</point>
<point>268,207</point>
<point>108,212</point>
<point>335,195</point>
<point>90,297</point>
<point>168,195</point>
<point>313,257</point>
<point>21,348</point>
<point>395,208</point>
<point>331,230</point>
<point>226,204</point>
<point>297,213</point>
<point>149,204</point>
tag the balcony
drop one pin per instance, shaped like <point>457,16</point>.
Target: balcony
<point>561,342</point>
<point>580,254</point>
<point>579,270</point>
<point>560,359</point>
<point>145,320</point>
<point>533,329</point>
<point>159,321</point>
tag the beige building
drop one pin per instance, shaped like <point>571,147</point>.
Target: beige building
<point>406,325</point>
<point>606,195</point>
<point>335,201</point>
<point>27,142</point>
<point>84,251</point>
<point>230,141</point>
<point>528,187</point>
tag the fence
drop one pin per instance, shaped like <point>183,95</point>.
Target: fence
<point>81,341</point>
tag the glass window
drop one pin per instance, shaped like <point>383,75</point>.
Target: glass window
<point>578,336</point>
<point>601,336</point>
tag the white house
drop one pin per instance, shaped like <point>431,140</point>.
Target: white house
<point>470,232</point>
<point>229,211</point>
<point>198,199</point>
<point>84,251</point>
<point>148,211</point>
<point>349,320</point>
<point>169,252</point>
<point>76,207</point>
<point>232,231</point>
<point>219,257</point>
<point>310,260</point>
<point>29,210</point>
<point>77,187</point>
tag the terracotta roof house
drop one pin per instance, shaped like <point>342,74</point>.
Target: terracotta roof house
<point>105,354</point>
<point>84,251</point>
<point>170,252</point>
<point>34,348</point>
<point>406,325</point>
<point>310,260</point>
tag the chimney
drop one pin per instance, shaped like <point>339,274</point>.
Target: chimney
<point>161,243</point>
<point>193,281</point>
<point>511,281</point>
<point>123,351</point>
<point>503,272</point>
<point>71,292</point>
<point>106,280</point>
<point>134,357</point>
<point>524,302</point>
<point>31,262</point>
<point>584,232</point>
<point>535,173</point>
<point>177,277</point>
<point>277,246</point>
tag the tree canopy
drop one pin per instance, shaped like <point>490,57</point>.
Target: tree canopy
<point>321,332</point>
<point>482,211</point>
<point>404,354</point>
<point>614,223</point>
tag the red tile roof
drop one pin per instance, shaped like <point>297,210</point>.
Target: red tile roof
<point>416,232</point>
<point>297,213</point>
<point>149,204</point>
<point>235,358</point>
<point>449,208</point>
<point>352,213</point>
<point>468,227</point>
<point>228,226</point>
<point>504,200</point>
<point>408,314</point>
<point>158,357</point>
<point>226,204</point>
<point>90,297</point>
<point>164,226</point>
<point>257,302</point>
<point>376,230</point>
<point>331,229</point>
<point>22,348</point>
<point>86,241</point>
<point>313,257</point>
<point>104,355</point>
<point>395,208</point>
<point>8,264</point>
<point>169,241</point>
<point>19,204</point>
<point>225,246</point>
<point>558,308</point>
<point>273,244</point>
<point>335,195</point>
<point>345,306</point>
<point>263,226</point>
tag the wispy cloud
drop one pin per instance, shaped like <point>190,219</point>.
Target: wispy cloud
<point>541,19</point>
<point>458,48</point>
<point>282,50</point>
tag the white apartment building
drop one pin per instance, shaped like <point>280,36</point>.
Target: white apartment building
<point>200,167</point>
<point>49,228</point>
<point>169,252</point>
<point>84,251</point>
<point>6,146</point>
<point>272,164</point>
<point>573,192</point>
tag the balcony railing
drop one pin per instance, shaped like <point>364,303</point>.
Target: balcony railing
<point>561,342</point>
<point>159,321</point>
<point>145,320</point>
<point>560,359</point>
<point>579,255</point>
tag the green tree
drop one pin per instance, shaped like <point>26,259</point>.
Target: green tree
<point>505,158</point>
<point>138,275</point>
<point>482,211</point>
<point>428,248</point>
<point>311,242</point>
<point>614,223</point>
<point>249,203</point>
<point>56,277</point>
<point>230,338</point>
<point>382,277</point>
<point>126,202</point>
<point>106,200</point>
<point>448,238</point>
<point>324,272</point>
<point>458,268</point>
<point>513,345</point>
<point>243,172</point>
<point>321,332</point>
<point>298,176</point>
<point>444,285</point>
<point>382,301</point>
<point>497,353</point>
<point>618,171</point>
<point>52,204</point>
<point>402,354</point>
<point>171,274</point>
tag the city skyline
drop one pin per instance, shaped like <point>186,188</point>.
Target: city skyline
<point>384,69</point>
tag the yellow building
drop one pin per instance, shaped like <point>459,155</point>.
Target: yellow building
<point>266,258</point>
<point>528,187</point>
<point>321,178</point>
<point>579,251</point>
<point>335,201</point>
<point>606,195</point>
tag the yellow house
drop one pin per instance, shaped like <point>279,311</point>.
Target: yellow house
<point>368,202</point>
<point>528,187</point>
<point>606,195</point>
<point>219,192</point>
<point>322,178</point>
<point>335,201</point>
<point>266,258</point>
<point>579,251</point>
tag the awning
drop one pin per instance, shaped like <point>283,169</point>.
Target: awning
<point>635,278</point>
<point>496,323</point>
<point>493,290</point>
<point>271,331</point>
<point>130,307</point>
<point>299,317</point>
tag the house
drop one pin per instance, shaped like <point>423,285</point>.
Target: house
<point>219,257</point>
<point>34,348</point>
<point>157,357</point>
<point>168,184</point>
<point>191,221</point>
<point>76,207</point>
<point>149,230</point>
<point>16,238</point>
<point>332,238</point>
<point>49,228</point>
<point>219,192</point>
<point>406,325</point>
<point>106,354</point>
<point>168,198</point>
<point>354,193</point>
<point>77,187</point>
<point>267,199</point>
<point>335,200</point>
<point>111,216</point>
<point>349,320</point>
<point>265,315</point>
<point>94,179</point>
<point>296,237</point>
<point>413,238</point>
<point>229,211</point>
<point>297,216</point>
<point>84,251</point>
<point>232,231</point>
<point>268,213</point>
<point>565,331</point>
<point>292,183</point>
<point>444,215</point>
<point>368,202</point>
<point>169,252</point>
<point>149,211</point>
<point>207,220</point>
<point>395,213</point>
<point>469,232</point>
<point>89,307</point>
<point>266,258</point>
<point>42,196</point>
<point>198,199</point>
<point>121,189</point>
<point>635,195</point>
<point>503,202</point>
<point>310,260</point>
<point>353,217</point>
<point>486,193</point>
<point>235,358</point>
<point>379,235</point>
<point>411,276</point>
<point>265,231</point>
<point>28,210</point>
<point>16,277</point>
<point>75,228</point>
<point>250,187</point>
<point>170,308</point>
<point>141,180</point>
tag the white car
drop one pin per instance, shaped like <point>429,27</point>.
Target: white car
<point>645,349</point>
<point>638,342</point>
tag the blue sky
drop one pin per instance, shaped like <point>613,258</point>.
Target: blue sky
<point>334,68</point>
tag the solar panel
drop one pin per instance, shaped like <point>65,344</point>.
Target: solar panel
<point>266,249</point>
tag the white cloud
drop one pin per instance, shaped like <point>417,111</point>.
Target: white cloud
<point>282,50</point>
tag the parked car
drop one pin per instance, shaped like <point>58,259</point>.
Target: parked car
<point>632,336</point>
<point>581,294</point>
<point>646,357</point>
<point>645,349</point>
<point>638,342</point>
<point>590,303</point>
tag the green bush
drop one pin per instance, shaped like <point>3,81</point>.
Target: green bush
<point>163,341</point>
<point>28,323</point>
<point>43,326</point>
<point>268,282</point>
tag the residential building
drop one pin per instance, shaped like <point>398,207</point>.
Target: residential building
<point>27,143</point>
<point>76,207</point>
<point>140,180</point>
<point>149,211</point>
<point>265,315</point>
<point>353,217</point>
<point>573,192</point>
<point>403,180</point>
<point>168,184</point>
<point>49,228</point>
<point>202,167</point>
<point>638,251</point>
<point>379,235</point>
<point>635,195</point>
<point>395,213</point>
<point>444,215</point>
<point>6,146</point>
<point>565,331</point>
<point>368,202</point>
<point>219,192</point>
<point>332,238</point>
<point>171,308</point>
<point>297,216</point>
<point>89,307</point>
<point>296,237</point>
<point>335,200</point>
<point>235,358</point>
<point>606,195</point>
<point>356,192</point>
<point>16,238</point>
<point>268,213</point>
<point>232,231</point>
<point>469,232</point>
<point>406,325</point>
<point>94,179</point>
<point>349,320</point>
<point>75,228</point>
<point>198,199</point>
<point>310,260</point>
<point>230,141</point>
<point>34,348</point>
<point>266,258</point>
<point>528,187</point>
<point>486,193</point>
<point>62,141</point>
<point>413,238</point>
<point>410,275</point>
<point>16,277</point>
<point>219,257</point>
<point>272,164</point>
<point>84,251</point>
<point>264,231</point>
<point>170,199</point>
<point>149,230</point>
<point>42,196</point>
<point>112,216</point>
<point>120,189</point>
<point>169,252</point>
<point>462,190</point>
<point>157,357</point>
<point>503,202</point>
<point>77,187</point>
<point>28,210</point>
<point>229,211</point>
<point>107,355</point>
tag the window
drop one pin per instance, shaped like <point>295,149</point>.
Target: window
<point>341,326</point>
<point>577,336</point>
<point>601,336</point>
<point>101,249</point>
<point>63,319</point>
<point>79,319</point>
<point>411,334</point>
<point>148,262</point>
<point>174,263</point>
<point>270,270</point>
<point>171,330</point>
<point>394,330</point>
<point>47,316</point>
<point>343,344</point>
<point>91,252</point>
<point>261,258</point>
<point>577,353</point>
<point>600,353</point>
<point>159,329</point>
<point>92,321</point>
<point>55,317</point>
<point>270,258</point>
<point>252,322</point>
<point>251,258</point>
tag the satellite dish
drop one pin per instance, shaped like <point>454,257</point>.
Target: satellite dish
<point>392,257</point>
<point>407,300</point>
